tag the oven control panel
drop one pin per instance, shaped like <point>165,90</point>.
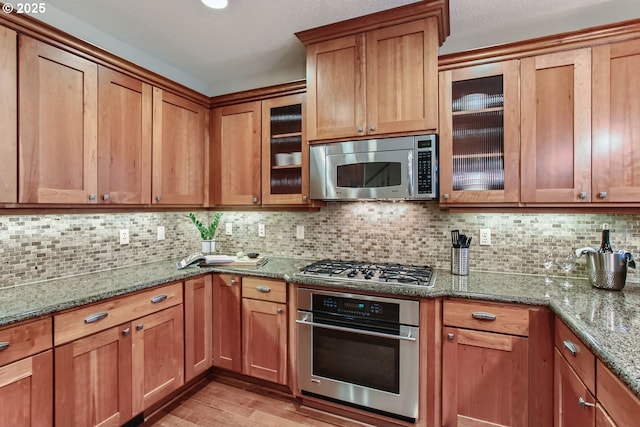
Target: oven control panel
<point>355,307</point>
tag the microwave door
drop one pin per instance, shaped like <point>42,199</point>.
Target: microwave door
<point>372,175</point>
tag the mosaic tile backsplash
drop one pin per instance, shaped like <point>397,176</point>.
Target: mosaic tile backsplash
<point>40,247</point>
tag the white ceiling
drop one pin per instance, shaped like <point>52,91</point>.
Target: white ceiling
<point>252,43</point>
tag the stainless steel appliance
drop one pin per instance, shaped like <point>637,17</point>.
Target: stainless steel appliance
<point>359,350</point>
<point>388,168</point>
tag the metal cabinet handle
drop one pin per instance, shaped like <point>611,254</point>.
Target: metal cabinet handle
<point>264,289</point>
<point>96,317</point>
<point>139,327</point>
<point>451,336</point>
<point>481,315</point>
<point>584,404</point>
<point>4,345</point>
<point>583,195</point>
<point>603,194</point>
<point>158,299</point>
<point>305,198</point>
<point>234,282</point>
<point>158,198</point>
<point>372,128</point>
<point>255,199</point>
<point>279,311</point>
<point>92,197</point>
<point>571,347</point>
<point>105,197</point>
<point>126,331</point>
<point>360,129</point>
<point>446,196</point>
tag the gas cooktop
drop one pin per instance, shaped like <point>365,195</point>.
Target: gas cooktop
<point>411,275</point>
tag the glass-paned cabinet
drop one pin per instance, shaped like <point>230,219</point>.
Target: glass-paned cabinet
<point>284,151</point>
<point>479,134</point>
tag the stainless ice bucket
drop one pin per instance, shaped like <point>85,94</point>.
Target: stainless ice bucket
<point>609,271</point>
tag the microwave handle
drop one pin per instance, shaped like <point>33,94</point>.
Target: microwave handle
<point>410,186</point>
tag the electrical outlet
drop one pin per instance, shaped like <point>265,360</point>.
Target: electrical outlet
<point>228,229</point>
<point>261,231</point>
<point>161,233</point>
<point>299,231</point>
<point>485,237</point>
<point>124,237</point>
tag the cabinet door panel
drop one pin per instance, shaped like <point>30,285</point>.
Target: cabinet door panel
<point>158,357</point>
<point>227,329</point>
<point>198,323</point>
<point>93,379</point>
<point>616,130</point>
<point>8,116</point>
<point>236,153</point>
<point>556,127</point>
<point>485,379</point>
<point>57,125</point>
<point>568,391</point>
<point>264,335</point>
<point>336,88</point>
<point>26,392</point>
<point>402,81</point>
<point>179,150</point>
<point>124,144</point>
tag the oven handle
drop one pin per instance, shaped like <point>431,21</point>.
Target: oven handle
<point>357,331</point>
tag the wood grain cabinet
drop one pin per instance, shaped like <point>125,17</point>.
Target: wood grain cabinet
<point>494,365</point>
<point>480,134</point>
<point>227,323</point>
<point>198,323</point>
<point>26,375</point>
<point>124,139</point>
<point>382,81</point>
<point>180,152</point>
<point>8,115</point>
<point>264,329</point>
<point>57,125</point>
<point>116,358</point>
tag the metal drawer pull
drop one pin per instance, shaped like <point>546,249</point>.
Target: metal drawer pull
<point>126,331</point>
<point>139,327</point>
<point>481,315</point>
<point>158,299</point>
<point>279,311</point>
<point>264,289</point>
<point>95,317</point>
<point>4,345</point>
<point>356,331</point>
<point>450,336</point>
<point>584,404</point>
<point>571,347</point>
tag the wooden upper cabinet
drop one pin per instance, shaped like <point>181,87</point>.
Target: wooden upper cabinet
<point>480,134</point>
<point>616,129</point>
<point>235,153</point>
<point>124,139</point>
<point>402,78</point>
<point>556,127</point>
<point>8,115</point>
<point>179,150</point>
<point>57,125</point>
<point>376,74</point>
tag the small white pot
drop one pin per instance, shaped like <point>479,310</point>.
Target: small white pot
<point>208,246</point>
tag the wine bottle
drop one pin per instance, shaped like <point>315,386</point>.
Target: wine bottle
<point>605,246</point>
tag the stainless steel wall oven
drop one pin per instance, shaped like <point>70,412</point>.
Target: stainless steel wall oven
<point>359,350</point>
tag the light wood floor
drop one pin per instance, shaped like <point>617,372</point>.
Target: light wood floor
<point>219,403</point>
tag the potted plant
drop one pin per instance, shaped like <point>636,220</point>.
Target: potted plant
<point>207,232</point>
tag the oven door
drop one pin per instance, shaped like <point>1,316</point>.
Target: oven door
<point>366,369</point>
<point>370,175</point>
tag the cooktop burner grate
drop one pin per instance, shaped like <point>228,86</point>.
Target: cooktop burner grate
<point>415,275</point>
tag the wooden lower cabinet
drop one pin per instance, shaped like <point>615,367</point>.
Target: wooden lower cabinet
<point>26,392</point>
<point>93,379</point>
<point>574,405</point>
<point>227,323</point>
<point>198,322</point>
<point>602,418</point>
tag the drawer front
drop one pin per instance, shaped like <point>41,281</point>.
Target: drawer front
<point>621,404</point>
<point>487,317</point>
<point>26,339</point>
<point>88,320</point>
<point>579,357</point>
<point>264,289</point>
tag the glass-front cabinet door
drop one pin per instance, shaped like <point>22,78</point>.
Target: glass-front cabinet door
<point>479,135</point>
<point>284,151</point>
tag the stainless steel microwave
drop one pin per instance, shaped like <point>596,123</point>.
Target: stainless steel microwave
<point>401,168</point>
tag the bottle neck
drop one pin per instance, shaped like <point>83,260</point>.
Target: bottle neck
<point>605,246</point>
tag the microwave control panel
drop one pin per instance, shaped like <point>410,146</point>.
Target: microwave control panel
<point>427,167</point>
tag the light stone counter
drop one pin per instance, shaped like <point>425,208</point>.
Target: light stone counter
<point>607,321</point>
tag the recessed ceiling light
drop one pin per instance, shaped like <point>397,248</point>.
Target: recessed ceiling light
<point>215,4</point>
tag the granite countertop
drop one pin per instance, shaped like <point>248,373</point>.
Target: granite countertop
<point>608,322</point>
